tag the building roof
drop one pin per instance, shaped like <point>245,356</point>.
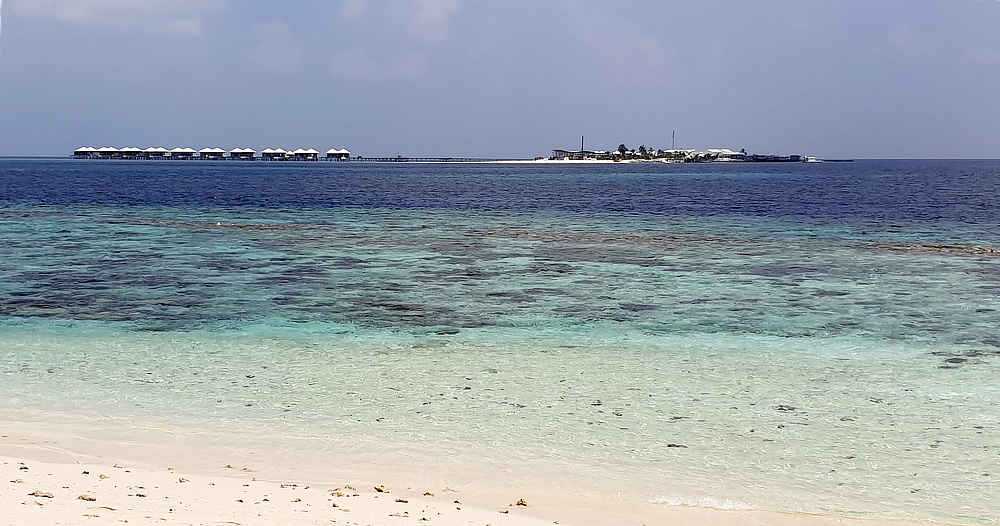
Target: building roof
<point>724,151</point>
<point>203,151</point>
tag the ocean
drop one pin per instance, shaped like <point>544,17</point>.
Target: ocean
<point>821,338</point>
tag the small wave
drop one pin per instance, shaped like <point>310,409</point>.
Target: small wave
<point>705,502</point>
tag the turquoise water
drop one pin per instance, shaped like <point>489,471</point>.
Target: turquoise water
<point>819,364</point>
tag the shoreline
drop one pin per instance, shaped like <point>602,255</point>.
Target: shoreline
<point>195,475</point>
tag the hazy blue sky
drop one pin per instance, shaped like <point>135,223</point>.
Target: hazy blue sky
<point>851,78</point>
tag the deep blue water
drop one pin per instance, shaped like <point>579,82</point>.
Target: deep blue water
<point>892,190</point>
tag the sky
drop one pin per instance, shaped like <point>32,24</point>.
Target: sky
<point>511,78</point>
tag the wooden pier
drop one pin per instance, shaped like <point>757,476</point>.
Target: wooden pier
<point>400,159</point>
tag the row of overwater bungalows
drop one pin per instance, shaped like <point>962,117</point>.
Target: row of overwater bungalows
<point>210,154</point>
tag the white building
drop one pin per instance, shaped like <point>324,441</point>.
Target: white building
<point>725,154</point>
<point>305,155</point>
<point>157,153</point>
<point>131,152</point>
<point>273,154</point>
<point>242,154</point>
<point>339,155</point>
<point>109,152</point>
<point>86,152</point>
<point>211,154</point>
<point>183,153</point>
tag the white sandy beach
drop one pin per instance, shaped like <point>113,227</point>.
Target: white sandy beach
<point>72,474</point>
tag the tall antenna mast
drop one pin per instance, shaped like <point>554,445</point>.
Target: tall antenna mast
<point>673,135</point>
<point>581,143</point>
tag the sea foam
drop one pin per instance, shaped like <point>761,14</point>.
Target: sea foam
<point>705,502</point>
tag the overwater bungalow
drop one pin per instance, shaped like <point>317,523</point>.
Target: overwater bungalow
<point>131,152</point>
<point>273,154</point>
<point>242,154</point>
<point>86,152</point>
<point>109,152</point>
<point>183,154</point>
<point>305,155</point>
<point>156,153</point>
<point>337,154</point>
<point>211,154</point>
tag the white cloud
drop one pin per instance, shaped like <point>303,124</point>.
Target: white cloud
<point>353,9</point>
<point>276,48</point>
<point>182,18</point>
<point>616,42</point>
<point>415,25</point>
<point>431,19</point>
<point>357,64</point>
<point>421,20</point>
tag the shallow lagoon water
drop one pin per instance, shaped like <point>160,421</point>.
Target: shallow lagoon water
<point>801,341</point>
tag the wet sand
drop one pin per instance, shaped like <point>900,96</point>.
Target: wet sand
<point>65,475</point>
